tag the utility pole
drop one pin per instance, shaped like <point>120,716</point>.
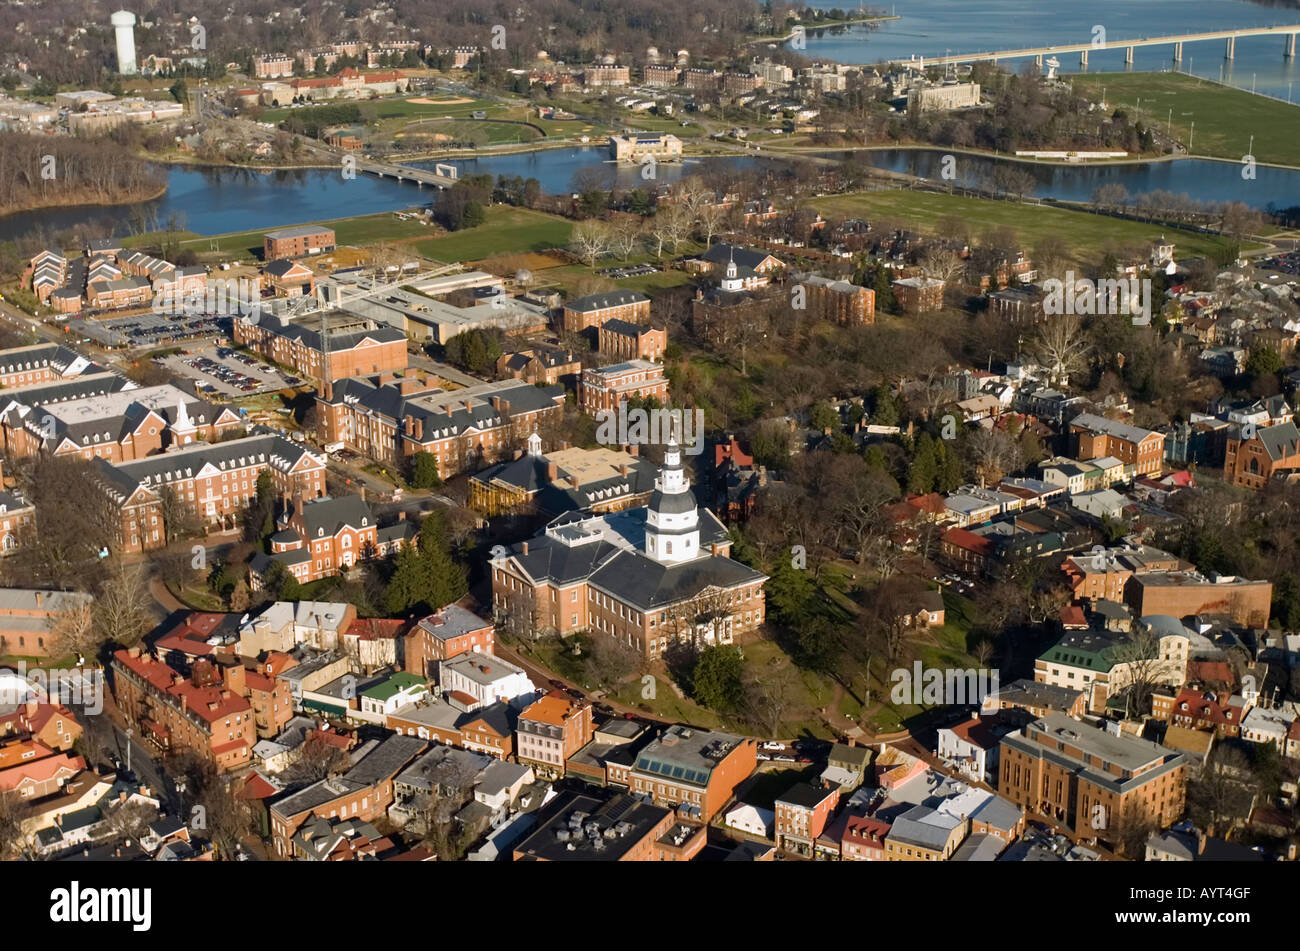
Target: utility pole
<point>1191,138</point>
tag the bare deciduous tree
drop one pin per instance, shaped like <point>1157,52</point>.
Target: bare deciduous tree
<point>1061,347</point>
<point>591,241</point>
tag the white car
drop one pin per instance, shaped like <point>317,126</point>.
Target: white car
<point>773,745</point>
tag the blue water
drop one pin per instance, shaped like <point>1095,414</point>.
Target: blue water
<point>221,200</point>
<point>928,28</point>
<point>1199,178</point>
<point>554,169</point>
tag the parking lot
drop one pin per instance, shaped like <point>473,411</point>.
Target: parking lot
<point>1288,263</point>
<point>145,330</point>
<point>637,271</point>
<point>225,372</point>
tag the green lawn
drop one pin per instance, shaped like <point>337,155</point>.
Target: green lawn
<point>667,705</point>
<point>398,108</point>
<point>506,231</point>
<point>467,130</point>
<point>357,231</point>
<point>1225,118</point>
<point>1085,233</point>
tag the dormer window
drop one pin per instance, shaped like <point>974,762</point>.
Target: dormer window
<point>365,522</point>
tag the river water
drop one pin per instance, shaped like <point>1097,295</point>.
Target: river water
<point>927,28</point>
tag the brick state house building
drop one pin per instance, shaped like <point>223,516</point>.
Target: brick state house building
<point>647,576</point>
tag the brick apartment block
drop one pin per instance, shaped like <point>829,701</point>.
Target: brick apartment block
<point>296,242</point>
<point>1090,780</point>
<point>1097,437</point>
<point>444,634</point>
<point>199,714</point>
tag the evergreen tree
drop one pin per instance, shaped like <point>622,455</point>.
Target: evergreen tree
<point>925,467</point>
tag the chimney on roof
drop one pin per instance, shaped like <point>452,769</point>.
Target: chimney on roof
<point>363,493</point>
<point>39,598</point>
<point>634,450</point>
<point>575,482</point>
<point>622,470</point>
<point>552,472</point>
<point>297,505</point>
<point>401,516</point>
<point>715,549</point>
<point>468,403</point>
<point>525,548</point>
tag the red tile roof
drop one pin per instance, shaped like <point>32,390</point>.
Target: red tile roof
<point>377,628</point>
<point>41,770</point>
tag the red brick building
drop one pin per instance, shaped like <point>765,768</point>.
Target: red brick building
<point>214,482</point>
<point>447,633</point>
<point>694,768</point>
<point>595,309</point>
<point>621,340</point>
<point>918,295</point>
<point>199,715</point>
<point>1096,437</point>
<point>357,347</point>
<point>296,242</point>
<point>1270,452</point>
<point>604,388</point>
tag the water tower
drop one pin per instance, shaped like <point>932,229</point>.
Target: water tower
<point>124,28</point>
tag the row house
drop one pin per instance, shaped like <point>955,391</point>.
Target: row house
<point>214,482</point>
<point>364,792</point>
<point>392,420</point>
<point>446,633</point>
<point>604,388</point>
<point>371,348</point>
<point>550,730</point>
<point>199,715</point>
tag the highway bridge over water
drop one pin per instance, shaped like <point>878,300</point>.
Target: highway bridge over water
<point>1287,33</point>
<point>442,176</point>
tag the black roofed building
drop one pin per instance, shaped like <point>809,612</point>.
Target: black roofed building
<point>328,536</point>
<point>357,345</point>
<point>595,309</point>
<point>390,420</point>
<point>213,483</point>
<point>647,576</point>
